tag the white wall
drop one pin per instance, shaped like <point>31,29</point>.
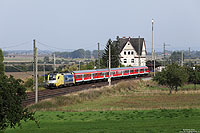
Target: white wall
<point>128,48</point>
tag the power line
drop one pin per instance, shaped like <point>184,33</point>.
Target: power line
<point>17,45</point>
<point>49,46</point>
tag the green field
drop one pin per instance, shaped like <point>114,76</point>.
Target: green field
<point>135,106</point>
<point>115,121</point>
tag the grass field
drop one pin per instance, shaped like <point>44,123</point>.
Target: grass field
<point>136,106</point>
<point>115,121</point>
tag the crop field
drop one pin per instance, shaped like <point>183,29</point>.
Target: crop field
<point>136,106</point>
<point>22,75</point>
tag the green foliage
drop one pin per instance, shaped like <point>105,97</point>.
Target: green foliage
<point>46,59</point>
<point>2,68</point>
<point>175,57</point>
<point>194,75</point>
<point>88,66</point>
<point>115,53</point>
<point>80,53</point>
<point>95,53</point>
<point>5,53</point>
<point>12,92</point>
<point>29,83</point>
<point>173,77</point>
<point>70,68</point>
<point>87,54</point>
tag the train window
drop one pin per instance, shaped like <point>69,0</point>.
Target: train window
<point>113,73</point>
<point>52,76</point>
<point>127,71</point>
<point>100,74</point>
<point>95,74</point>
<point>131,71</point>
<point>78,76</point>
<point>87,75</point>
<point>136,70</point>
<point>119,72</point>
<point>141,70</point>
<point>146,70</point>
<point>107,73</point>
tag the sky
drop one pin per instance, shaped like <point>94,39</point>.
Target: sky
<point>72,24</point>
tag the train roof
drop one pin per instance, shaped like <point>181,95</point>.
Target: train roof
<point>84,71</point>
<point>99,70</point>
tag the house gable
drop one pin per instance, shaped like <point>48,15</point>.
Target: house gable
<point>144,52</point>
<point>132,51</point>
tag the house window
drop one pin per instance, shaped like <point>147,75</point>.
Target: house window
<point>132,52</point>
<point>128,52</point>
<point>124,52</point>
<point>132,60</point>
<point>125,60</point>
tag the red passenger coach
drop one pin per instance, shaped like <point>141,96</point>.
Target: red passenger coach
<point>89,75</point>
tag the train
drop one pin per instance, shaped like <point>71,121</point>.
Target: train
<point>82,76</point>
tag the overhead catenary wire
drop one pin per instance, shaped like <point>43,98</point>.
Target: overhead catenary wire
<point>53,47</point>
<point>16,45</point>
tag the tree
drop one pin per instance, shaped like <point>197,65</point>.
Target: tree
<point>70,68</point>
<point>87,54</point>
<point>46,59</point>
<point>2,68</point>
<point>12,92</point>
<point>88,66</point>
<point>173,76</point>
<point>115,59</point>
<point>175,57</point>
<point>95,53</point>
<point>194,75</point>
<point>80,53</point>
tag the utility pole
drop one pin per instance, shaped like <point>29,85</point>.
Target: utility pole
<point>190,64</point>
<point>34,60</point>
<point>182,58</point>
<point>139,51</point>
<point>152,41</point>
<point>35,69</point>
<point>98,56</point>
<point>109,79</point>
<point>152,54</point>
<point>54,62</point>
<point>164,53</point>
<point>154,64</point>
<point>36,77</point>
<point>79,66</point>
<point>44,72</point>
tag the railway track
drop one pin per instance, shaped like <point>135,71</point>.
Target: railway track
<point>50,93</point>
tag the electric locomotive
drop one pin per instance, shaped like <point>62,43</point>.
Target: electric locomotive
<point>60,79</point>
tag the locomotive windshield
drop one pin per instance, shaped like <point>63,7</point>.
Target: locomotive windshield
<point>52,76</point>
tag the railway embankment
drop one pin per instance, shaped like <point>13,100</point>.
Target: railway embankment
<point>126,95</point>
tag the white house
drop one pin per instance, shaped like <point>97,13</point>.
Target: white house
<point>132,51</point>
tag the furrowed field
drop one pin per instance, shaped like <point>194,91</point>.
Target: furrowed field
<point>137,106</point>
